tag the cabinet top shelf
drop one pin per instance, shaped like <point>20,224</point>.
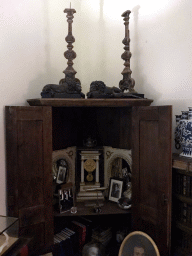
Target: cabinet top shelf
<point>60,102</point>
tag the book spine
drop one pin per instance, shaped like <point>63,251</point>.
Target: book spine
<point>188,217</point>
<point>66,233</point>
<point>70,231</point>
<point>184,212</point>
<point>57,239</point>
<point>181,184</point>
<point>81,229</point>
<point>184,185</point>
<point>191,187</point>
<point>83,235</point>
<point>188,186</point>
<point>88,223</point>
<point>62,236</point>
<point>178,185</point>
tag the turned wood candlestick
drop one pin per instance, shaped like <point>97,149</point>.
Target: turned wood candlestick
<point>70,55</point>
<point>127,83</point>
<point>69,87</point>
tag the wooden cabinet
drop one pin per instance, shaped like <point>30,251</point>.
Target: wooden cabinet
<point>33,132</point>
<point>182,205</point>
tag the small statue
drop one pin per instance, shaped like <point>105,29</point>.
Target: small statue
<point>67,88</point>
<point>90,143</point>
<point>99,90</point>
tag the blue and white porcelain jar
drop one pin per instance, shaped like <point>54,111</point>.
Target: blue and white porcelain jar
<point>183,133</point>
<point>190,113</point>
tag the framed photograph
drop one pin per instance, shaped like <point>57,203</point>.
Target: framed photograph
<point>93,248</point>
<point>66,197</point>
<point>138,243</point>
<point>62,173</point>
<point>115,189</point>
<point>117,163</point>
<point>63,165</point>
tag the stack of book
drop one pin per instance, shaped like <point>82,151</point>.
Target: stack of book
<point>65,243</point>
<point>70,241</point>
<point>184,242</point>
<point>102,235</point>
<point>185,213</point>
<point>183,185</point>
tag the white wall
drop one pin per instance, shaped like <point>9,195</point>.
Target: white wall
<point>32,43</point>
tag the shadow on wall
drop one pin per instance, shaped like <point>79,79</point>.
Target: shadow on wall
<point>51,74</point>
<point>91,46</point>
<point>140,77</point>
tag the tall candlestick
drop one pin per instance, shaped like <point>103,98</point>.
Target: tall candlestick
<point>69,87</point>
<point>127,83</point>
<point>70,54</point>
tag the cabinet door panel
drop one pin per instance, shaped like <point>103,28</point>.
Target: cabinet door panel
<point>29,177</point>
<point>30,162</point>
<point>151,180</point>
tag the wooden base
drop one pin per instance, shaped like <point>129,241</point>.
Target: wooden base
<point>89,102</point>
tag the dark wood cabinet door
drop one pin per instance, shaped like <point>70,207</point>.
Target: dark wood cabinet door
<point>29,171</point>
<point>151,178</point>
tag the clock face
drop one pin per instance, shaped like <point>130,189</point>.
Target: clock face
<point>89,165</point>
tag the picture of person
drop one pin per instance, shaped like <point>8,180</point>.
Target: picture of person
<point>115,190</point>
<point>93,249</point>
<point>138,251</point>
<point>62,171</point>
<point>138,243</point>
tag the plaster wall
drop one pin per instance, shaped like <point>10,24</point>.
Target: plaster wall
<point>32,43</point>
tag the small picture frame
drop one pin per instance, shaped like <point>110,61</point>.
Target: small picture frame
<point>66,197</point>
<point>115,189</point>
<point>115,160</point>
<point>62,171</point>
<point>63,165</point>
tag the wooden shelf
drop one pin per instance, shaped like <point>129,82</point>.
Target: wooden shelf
<point>182,164</point>
<point>181,251</point>
<point>184,172</point>
<point>107,208</point>
<point>182,198</point>
<point>57,102</point>
<point>184,227</point>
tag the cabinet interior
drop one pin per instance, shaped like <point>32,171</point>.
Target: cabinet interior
<point>109,126</point>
